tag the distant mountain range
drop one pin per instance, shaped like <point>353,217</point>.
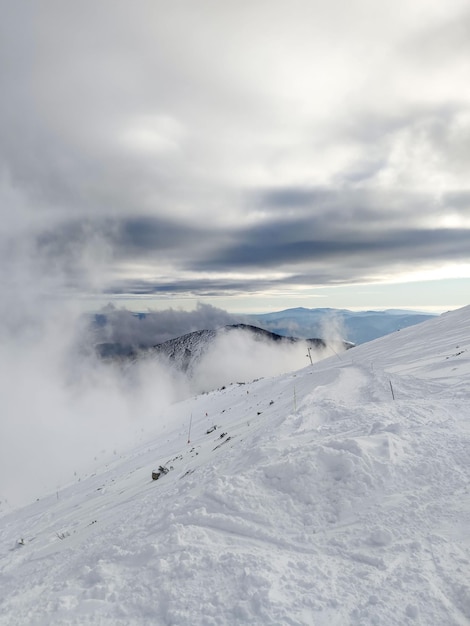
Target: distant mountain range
<point>356,327</point>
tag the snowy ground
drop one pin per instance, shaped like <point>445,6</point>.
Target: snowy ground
<point>319,499</point>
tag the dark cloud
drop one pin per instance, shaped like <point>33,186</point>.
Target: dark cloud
<point>344,230</point>
<point>295,198</point>
<point>210,287</point>
<point>148,235</point>
<point>76,246</point>
<point>312,236</point>
<point>271,248</point>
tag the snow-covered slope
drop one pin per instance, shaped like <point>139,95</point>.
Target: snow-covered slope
<point>336,495</point>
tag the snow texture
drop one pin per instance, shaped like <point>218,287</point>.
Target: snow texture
<point>336,495</point>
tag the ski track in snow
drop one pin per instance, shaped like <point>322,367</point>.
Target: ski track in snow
<point>318,500</point>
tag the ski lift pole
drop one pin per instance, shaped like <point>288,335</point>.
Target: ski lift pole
<point>189,431</point>
<point>309,350</point>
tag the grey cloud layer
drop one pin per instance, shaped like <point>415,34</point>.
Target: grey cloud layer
<point>229,148</point>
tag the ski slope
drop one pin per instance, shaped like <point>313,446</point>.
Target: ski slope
<point>319,499</point>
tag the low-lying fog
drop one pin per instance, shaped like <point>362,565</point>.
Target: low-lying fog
<point>64,408</point>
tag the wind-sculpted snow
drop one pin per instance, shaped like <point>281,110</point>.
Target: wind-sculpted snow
<point>336,495</point>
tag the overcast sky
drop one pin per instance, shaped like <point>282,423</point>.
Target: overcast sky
<point>252,154</point>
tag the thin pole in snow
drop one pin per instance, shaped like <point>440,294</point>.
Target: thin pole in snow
<point>189,431</point>
<point>309,350</point>
<point>391,389</point>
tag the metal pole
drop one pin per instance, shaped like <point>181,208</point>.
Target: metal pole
<point>189,431</point>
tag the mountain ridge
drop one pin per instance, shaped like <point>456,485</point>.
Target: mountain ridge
<point>186,350</point>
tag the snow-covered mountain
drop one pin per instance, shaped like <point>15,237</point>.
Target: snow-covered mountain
<point>212,358</point>
<point>335,495</point>
<point>186,351</point>
<point>355,326</point>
